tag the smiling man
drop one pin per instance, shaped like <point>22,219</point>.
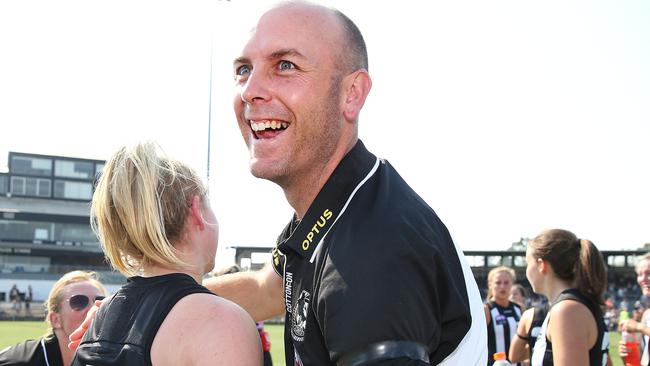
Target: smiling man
<point>365,272</point>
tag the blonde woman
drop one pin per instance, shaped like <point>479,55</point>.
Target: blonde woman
<point>67,304</point>
<point>502,315</point>
<point>571,273</point>
<point>155,224</point>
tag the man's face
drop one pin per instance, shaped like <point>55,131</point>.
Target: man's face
<point>288,94</point>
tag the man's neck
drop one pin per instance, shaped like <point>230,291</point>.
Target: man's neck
<point>303,189</point>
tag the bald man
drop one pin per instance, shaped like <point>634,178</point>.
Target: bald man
<point>365,272</point>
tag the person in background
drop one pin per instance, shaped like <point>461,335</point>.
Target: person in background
<point>14,297</point>
<point>67,305</point>
<point>28,299</point>
<point>518,296</point>
<point>502,315</point>
<point>638,310</point>
<point>530,324</point>
<point>571,273</point>
<point>155,224</point>
<point>643,327</point>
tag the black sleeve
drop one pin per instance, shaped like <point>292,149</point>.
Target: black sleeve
<point>23,354</point>
<point>397,287</point>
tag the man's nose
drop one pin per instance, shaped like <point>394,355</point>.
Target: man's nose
<point>256,88</point>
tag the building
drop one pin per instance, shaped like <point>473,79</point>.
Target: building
<point>45,222</point>
<point>621,276</point>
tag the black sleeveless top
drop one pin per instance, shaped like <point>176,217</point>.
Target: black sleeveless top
<point>502,327</point>
<point>124,328</point>
<point>543,351</point>
<point>539,314</point>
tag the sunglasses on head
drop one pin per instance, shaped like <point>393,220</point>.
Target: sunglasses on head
<point>80,302</point>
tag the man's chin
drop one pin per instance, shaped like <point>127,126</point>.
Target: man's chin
<point>263,170</point>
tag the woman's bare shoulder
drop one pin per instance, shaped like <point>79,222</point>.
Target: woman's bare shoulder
<point>207,329</point>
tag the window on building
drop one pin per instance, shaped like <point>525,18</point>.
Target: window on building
<point>23,263</point>
<point>44,188</point>
<point>520,261</point>
<point>23,230</point>
<point>631,260</point>
<point>496,260</point>
<point>18,186</point>
<point>475,260</point>
<point>31,165</point>
<point>99,168</point>
<point>74,232</point>
<point>616,260</point>
<point>30,186</point>
<point>72,190</point>
<point>74,169</point>
<point>4,184</point>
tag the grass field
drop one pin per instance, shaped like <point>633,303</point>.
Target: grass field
<point>14,332</point>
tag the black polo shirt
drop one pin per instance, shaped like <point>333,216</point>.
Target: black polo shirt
<point>372,262</point>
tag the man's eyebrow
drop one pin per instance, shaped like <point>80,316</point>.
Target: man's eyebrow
<point>240,60</point>
<point>279,54</point>
<point>286,52</point>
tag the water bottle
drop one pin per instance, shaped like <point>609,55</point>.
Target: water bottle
<point>632,342</point>
<point>500,359</point>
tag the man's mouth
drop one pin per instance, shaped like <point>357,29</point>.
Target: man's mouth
<point>267,128</point>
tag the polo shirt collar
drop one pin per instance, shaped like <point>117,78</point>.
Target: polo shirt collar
<point>303,237</point>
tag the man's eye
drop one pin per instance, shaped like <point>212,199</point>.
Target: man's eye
<point>243,70</point>
<point>286,65</point>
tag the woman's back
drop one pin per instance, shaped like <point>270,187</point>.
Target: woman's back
<point>149,321</point>
<point>573,306</point>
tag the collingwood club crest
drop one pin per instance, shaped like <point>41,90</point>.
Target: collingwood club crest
<point>299,316</point>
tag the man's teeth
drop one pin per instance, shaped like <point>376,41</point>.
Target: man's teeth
<point>261,126</point>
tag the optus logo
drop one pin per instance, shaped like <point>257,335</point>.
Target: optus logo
<point>320,223</point>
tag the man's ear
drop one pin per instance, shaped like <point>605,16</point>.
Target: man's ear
<point>195,215</point>
<point>356,88</point>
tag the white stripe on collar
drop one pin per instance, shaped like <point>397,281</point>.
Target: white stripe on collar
<point>320,243</point>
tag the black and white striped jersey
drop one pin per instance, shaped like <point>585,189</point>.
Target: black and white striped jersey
<point>502,327</point>
<point>539,314</point>
<point>645,356</point>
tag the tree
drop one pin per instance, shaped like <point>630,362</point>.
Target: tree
<point>519,245</point>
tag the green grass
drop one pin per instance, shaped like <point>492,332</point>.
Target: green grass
<point>276,331</point>
<point>12,332</point>
<point>15,332</point>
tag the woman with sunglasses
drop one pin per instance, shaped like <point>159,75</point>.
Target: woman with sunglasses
<point>154,221</point>
<point>67,305</point>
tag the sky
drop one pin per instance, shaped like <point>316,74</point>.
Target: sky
<point>507,117</point>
